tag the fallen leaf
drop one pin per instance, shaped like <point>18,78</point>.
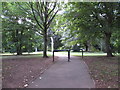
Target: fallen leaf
<point>40,77</point>
<point>25,85</point>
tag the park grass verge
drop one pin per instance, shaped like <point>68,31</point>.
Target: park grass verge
<point>24,55</point>
<point>84,53</point>
<point>87,53</point>
<point>104,70</point>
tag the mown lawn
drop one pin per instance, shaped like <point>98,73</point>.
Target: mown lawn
<point>25,55</point>
<point>84,53</point>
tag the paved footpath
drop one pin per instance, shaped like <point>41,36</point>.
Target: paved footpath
<point>63,74</point>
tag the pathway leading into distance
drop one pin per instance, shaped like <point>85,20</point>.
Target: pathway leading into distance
<point>64,74</point>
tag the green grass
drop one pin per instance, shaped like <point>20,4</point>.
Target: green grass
<point>88,54</point>
<point>39,54</point>
<point>84,54</point>
<point>25,55</point>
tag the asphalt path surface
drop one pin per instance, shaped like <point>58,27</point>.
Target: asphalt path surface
<point>64,74</point>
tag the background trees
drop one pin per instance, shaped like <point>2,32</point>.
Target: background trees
<point>29,25</point>
<point>44,13</point>
<point>32,17</point>
<point>19,34</point>
<point>89,22</point>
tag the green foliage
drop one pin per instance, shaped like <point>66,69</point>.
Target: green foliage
<point>28,25</point>
<point>116,42</point>
<point>89,22</point>
<point>19,33</point>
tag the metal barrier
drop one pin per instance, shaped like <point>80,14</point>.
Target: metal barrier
<point>68,53</point>
<point>60,51</point>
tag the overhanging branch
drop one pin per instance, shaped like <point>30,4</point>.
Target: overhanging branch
<point>48,24</point>
<point>35,16</point>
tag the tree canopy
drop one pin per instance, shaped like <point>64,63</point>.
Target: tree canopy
<point>89,25</point>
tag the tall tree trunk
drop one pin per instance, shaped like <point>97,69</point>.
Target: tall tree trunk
<point>45,44</point>
<point>19,42</point>
<point>19,50</point>
<point>107,42</point>
<point>86,46</point>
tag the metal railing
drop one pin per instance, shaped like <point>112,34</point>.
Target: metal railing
<point>68,50</point>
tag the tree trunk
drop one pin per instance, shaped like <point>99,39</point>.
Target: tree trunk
<point>107,42</point>
<point>86,47</point>
<point>45,44</point>
<point>19,52</point>
<point>19,42</point>
<point>19,49</point>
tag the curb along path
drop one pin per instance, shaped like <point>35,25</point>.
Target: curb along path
<point>63,74</point>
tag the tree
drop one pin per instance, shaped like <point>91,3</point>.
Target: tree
<point>43,13</point>
<point>108,18</point>
<point>11,28</point>
<point>40,15</point>
<point>93,20</point>
<point>19,33</point>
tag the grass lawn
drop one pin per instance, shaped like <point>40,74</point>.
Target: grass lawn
<point>25,55</point>
<point>84,54</point>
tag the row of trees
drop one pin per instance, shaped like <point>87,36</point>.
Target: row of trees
<point>93,23</point>
<point>27,25</point>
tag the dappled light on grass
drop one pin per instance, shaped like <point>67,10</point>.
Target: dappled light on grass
<point>84,53</point>
<point>89,54</point>
<point>25,55</point>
